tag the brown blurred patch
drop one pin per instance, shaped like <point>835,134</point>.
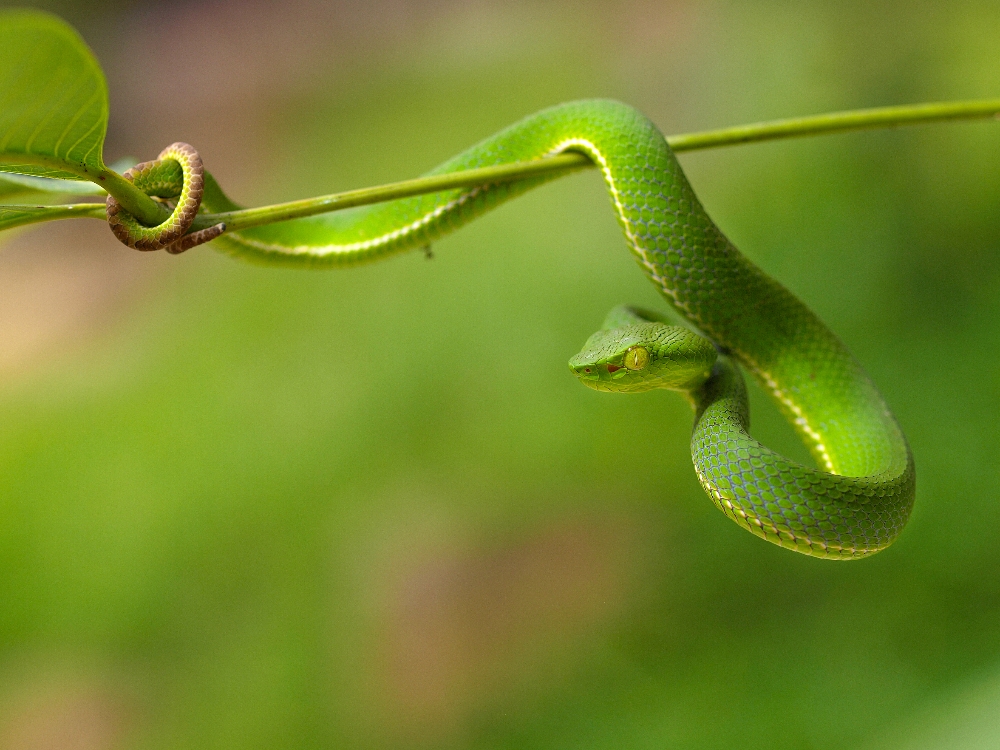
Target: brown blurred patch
<point>497,623</point>
<point>60,284</point>
<point>212,73</point>
<point>67,714</point>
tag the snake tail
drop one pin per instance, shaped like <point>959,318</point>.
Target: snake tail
<point>177,174</point>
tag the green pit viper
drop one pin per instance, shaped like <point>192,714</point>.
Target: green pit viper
<point>854,505</point>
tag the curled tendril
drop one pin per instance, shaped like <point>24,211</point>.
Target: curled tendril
<point>177,175</point>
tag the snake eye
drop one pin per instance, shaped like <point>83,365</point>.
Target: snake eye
<point>636,358</point>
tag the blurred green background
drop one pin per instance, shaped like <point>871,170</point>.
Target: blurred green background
<point>256,508</point>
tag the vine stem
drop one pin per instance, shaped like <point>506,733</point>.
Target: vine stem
<point>252,217</point>
<point>833,122</point>
<point>860,119</point>
<point>149,212</point>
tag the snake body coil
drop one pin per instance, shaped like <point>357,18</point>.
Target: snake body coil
<point>858,500</point>
<point>178,174</point>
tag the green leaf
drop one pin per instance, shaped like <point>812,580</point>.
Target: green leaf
<point>17,216</point>
<point>53,99</point>
<point>11,190</point>
<point>19,185</point>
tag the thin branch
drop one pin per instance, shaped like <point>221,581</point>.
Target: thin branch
<point>834,122</point>
<point>860,119</point>
<point>252,217</point>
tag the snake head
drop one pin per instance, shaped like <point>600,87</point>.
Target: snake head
<point>644,356</point>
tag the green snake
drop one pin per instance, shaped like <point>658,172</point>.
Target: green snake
<point>858,500</point>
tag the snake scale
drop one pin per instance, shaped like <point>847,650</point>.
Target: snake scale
<point>853,505</point>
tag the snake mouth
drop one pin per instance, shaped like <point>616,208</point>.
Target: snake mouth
<point>588,373</point>
<point>596,373</point>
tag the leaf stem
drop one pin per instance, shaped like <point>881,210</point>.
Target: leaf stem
<point>133,200</point>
